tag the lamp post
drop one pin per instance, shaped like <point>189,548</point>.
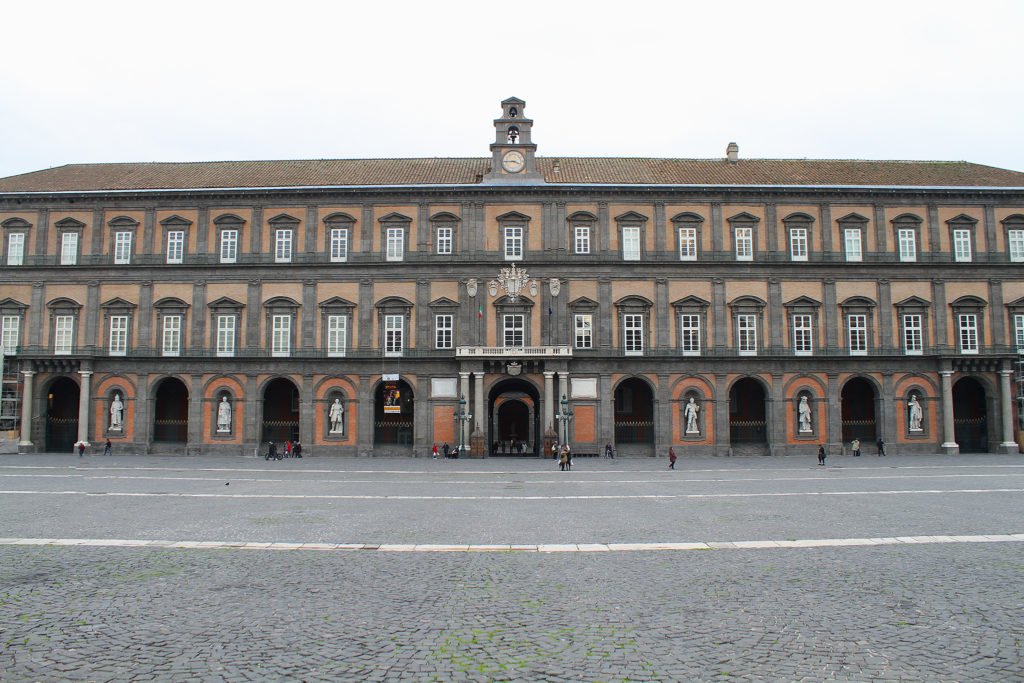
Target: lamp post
<point>462,417</point>
<point>564,417</point>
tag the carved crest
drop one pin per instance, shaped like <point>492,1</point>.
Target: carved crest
<point>513,367</point>
<point>471,286</point>
<point>555,285</point>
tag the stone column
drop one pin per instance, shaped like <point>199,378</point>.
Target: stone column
<point>949,445</point>
<point>26,408</point>
<point>84,398</point>
<point>563,385</point>
<point>1008,445</point>
<point>464,387</point>
<point>478,403</point>
<point>834,415</point>
<point>549,400</point>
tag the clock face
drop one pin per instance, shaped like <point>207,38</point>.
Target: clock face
<point>513,161</point>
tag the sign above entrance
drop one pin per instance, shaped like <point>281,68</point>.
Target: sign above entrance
<point>389,378</point>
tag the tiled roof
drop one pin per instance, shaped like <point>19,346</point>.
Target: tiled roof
<point>454,171</point>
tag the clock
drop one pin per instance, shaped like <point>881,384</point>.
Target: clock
<point>513,161</point>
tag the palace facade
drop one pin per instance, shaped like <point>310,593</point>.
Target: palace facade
<point>379,306</point>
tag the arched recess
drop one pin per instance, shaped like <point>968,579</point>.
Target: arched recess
<point>748,413</point>
<point>859,410</point>
<point>970,415</point>
<point>280,411</point>
<point>61,415</point>
<point>393,413</point>
<point>634,417</point>
<point>513,424</point>
<point>170,412</point>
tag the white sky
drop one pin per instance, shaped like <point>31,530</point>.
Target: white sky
<point>109,81</point>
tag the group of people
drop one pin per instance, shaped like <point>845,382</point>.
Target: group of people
<point>561,452</point>
<point>288,450</point>
<point>447,451</point>
<point>854,448</point>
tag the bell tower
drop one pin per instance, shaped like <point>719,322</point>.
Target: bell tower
<point>512,152</point>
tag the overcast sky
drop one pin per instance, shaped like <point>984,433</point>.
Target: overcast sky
<point>198,81</point>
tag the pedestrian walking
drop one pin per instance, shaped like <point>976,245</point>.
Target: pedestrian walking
<point>563,458</point>
<point>671,458</point>
<point>287,449</point>
<point>554,451</point>
<point>272,451</point>
<point>446,450</point>
<point>81,449</point>
<point>608,452</point>
<point>568,456</point>
<point>881,447</point>
<point>855,447</point>
<point>821,454</point>
<point>297,450</point>
<point>435,451</point>
<point>108,449</point>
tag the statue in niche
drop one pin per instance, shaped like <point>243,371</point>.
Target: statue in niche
<point>337,417</point>
<point>691,411</point>
<point>513,135</point>
<point>804,415</point>
<point>915,413</point>
<point>224,415</point>
<point>116,413</point>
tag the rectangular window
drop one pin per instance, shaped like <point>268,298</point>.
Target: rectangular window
<point>225,336</point>
<point>228,246</point>
<point>746,330</point>
<point>633,332</point>
<point>283,246</point>
<point>962,246</point>
<point>689,332</point>
<point>853,244</point>
<point>798,244</point>
<point>582,239</point>
<point>1018,331</point>
<point>175,246</point>
<point>908,244</point>
<point>444,241</point>
<point>631,244</point>
<point>339,245</point>
<point>396,244</point>
<point>122,247</point>
<point>443,329</point>
<point>583,330</point>
<point>744,244</point>
<point>10,330</point>
<point>281,335</point>
<point>16,249</point>
<point>857,329</point>
<point>69,249</point>
<point>803,335</point>
<point>337,335</point>
<point>968,324</point>
<point>63,334</point>
<point>118,335</point>
<point>514,325</point>
<point>687,244</point>
<point>513,243</point>
<point>172,335</point>
<point>1016,240</point>
<point>913,334</point>
<point>393,327</point>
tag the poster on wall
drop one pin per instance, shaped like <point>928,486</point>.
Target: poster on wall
<point>392,399</point>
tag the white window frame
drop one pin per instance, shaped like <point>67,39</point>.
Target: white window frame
<point>1018,331</point>
<point>907,238</point>
<point>444,331</point>
<point>394,327</point>
<point>1015,242</point>
<point>581,239</point>
<point>633,334</point>
<point>689,333</point>
<point>281,335</point>
<point>69,249</point>
<point>117,341</point>
<point>123,247</point>
<point>513,330</point>
<point>913,334</point>
<point>687,244</point>
<point>337,335</point>
<point>798,244</point>
<point>962,245</point>
<point>283,245</point>
<point>803,334</point>
<point>746,334</point>
<point>854,241</point>
<point>967,332</point>
<point>171,340</point>
<point>444,241</point>
<point>226,335</point>
<point>583,330</point>
<point>744,244</point>
<point>63,335</point>
<point>10,333</point>
<point>512,236</point>
<point>175,246</point>
<point>395,244</point>
<point>229,245</point>
<point>857,334</point>
<point>339,245</point>
<point>631,243</point>
<point>16,249</point>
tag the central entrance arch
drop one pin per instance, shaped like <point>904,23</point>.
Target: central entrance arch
<point>170,414</point>
<point>634,418</point>
<point>281,411</point>
<point>748,417</point>
<point>970,416</point>
<point>61,415</point>
<point>858,411</point>
<point>513,424</point>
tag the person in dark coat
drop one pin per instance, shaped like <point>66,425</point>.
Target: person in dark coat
<point>671,458</point>
<point>881,448</point>
<point>446,450</point>
<point>821,454</point>
<point>108,449</point>
<point>272,451</point>
<point>297,450</point>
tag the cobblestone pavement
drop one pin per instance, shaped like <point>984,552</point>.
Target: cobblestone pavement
<point>929,612</point>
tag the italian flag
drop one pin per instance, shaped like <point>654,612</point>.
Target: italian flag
<point>480,312</point>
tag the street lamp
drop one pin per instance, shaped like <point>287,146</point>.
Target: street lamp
<point>564,417</point>
<point>462,417</point>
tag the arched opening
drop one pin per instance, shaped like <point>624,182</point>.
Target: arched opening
<point>61,415</point>
<point>858,411</point>
<point>514,409</point>
<point>393,414</point>
<point>281,411</point>
<point>748,422</point>
<point>634,417</point>
<point>170,415</point>
<point>970,416</point>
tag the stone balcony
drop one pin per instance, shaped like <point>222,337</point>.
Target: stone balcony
<point>513,352</point>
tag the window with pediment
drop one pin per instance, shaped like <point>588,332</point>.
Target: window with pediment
<point>444,228</point>
<point>969,319</point>
<point>335,325</point>
<point>634,318</point>
<point>691,330</point>
<point>961,237</point>
<point>798,228</point>
<point>393,317</point>
<point>913,319</point>
<point>281,314</point>
<point>176,230</point>
<point>445,312</point>
<point>394,235</point>
<point>64,316</point>
<point>632,227</point>
<point>802,314</point>
<point>858,317</point>
<point>907,232</point>
<point>122,232</point>
<point>743,227</point>
<point>687,228</point>
<point>1015,310</point>
<point>513,234</point>
<point>16,232</point>
<point>584,322</point>
<point>1013,226</point>
<point>225,323</point>
<point>338,229</point>
<point>513,321</point>
<point>582,231</point>
<point>171,320</point>
<point>118,316</point>
<point>853,233</point>
<point>12,316</point>
<point>747,314</point>
<point>284,231</point>
<point>230,230</point>
<point>69,239</point>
